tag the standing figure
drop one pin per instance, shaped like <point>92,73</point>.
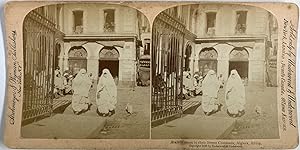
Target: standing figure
<point>58,85</point>
<point>68,88</point>
<point>185,85</point>
<point>81,85</point>
<point>210,88</point>
<point>196,84</point>
<point>235,95</point>
<point>106,94</point>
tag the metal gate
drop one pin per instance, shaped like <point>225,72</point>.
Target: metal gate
<point>39,41</point>
<point>167,64</point>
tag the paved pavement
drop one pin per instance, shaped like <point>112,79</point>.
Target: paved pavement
<point>249,126</point>
<point>137,125</point>
<point>125,126</point>
<point>194,127</point>
<point>89,125</point>
<point>64,126</point>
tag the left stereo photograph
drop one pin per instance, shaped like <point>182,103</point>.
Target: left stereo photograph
<point>86,72</point>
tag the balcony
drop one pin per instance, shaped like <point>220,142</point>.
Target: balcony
<point>109,27</point>
<point>78,30</point>
<point>240,29</point>
<point>211,31</point>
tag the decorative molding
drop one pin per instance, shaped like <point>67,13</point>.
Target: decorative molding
<point>211,54</point>
<point>79,53</point>
<point>239,55</point>
<point>109,54</point>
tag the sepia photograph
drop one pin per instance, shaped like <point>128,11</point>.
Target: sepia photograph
<point>150,75</point>
<point>86,72</point>
<point>214,73</point>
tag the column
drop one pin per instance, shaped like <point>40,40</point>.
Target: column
<point>223,67</point>
<point>65,56</point>
<point>93,50</point>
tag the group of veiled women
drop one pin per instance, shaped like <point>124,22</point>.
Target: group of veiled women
<point>106,94</point>
<point>234,94</point>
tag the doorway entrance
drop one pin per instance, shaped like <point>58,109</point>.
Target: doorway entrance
<point>238,60</point>
<point>241,67</point>
<point>109,58</point>
<point>112,65</point>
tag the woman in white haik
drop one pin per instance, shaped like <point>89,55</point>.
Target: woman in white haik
<point>235,95</point>
<point>210,88</point>
<point>81,86</point>
<point>106,94</point>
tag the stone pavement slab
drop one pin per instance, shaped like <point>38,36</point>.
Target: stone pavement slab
<point>63,126</point>
<point>194,127</point>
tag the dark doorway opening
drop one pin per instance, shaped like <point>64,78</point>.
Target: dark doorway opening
<point>112,65</point>
<point>241,67</point>
<point>56,55</point>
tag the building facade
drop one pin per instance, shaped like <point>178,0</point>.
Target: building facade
<point>98,36</point>
<point>248,42</point>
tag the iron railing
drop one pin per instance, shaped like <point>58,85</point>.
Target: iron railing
<point>167,62</point>
<point>39,41</point>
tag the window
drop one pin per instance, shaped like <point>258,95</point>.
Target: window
<point>241,18</point>
<point>109,20</point>
<point>147,47</point>
<point>78,22</point>
<point>210,23</point>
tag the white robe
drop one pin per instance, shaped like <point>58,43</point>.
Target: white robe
<point>106,93</point>
<point>210,88</point>
<point>235,93</point>
<point>81,85</point>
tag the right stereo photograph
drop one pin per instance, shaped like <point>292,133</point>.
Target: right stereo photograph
<point>214,73</point>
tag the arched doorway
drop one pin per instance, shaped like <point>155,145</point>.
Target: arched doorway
<point>207,60</point>
<point>238,60</point>
<point>77,59</point>
<point>188,52</point>
<point>109,58</point>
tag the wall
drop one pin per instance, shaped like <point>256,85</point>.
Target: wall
<point>93,18</point>
<point>257,19</point>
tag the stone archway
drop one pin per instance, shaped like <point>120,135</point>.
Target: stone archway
<point>77,59</point>
<point>207,60</point>
<point>109,58</point>
<point>239,60</point>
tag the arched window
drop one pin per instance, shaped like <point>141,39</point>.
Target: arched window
<point>77,59</point>
<point>239,54</point>
<point>109,54</point>
<point>207,60</point>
